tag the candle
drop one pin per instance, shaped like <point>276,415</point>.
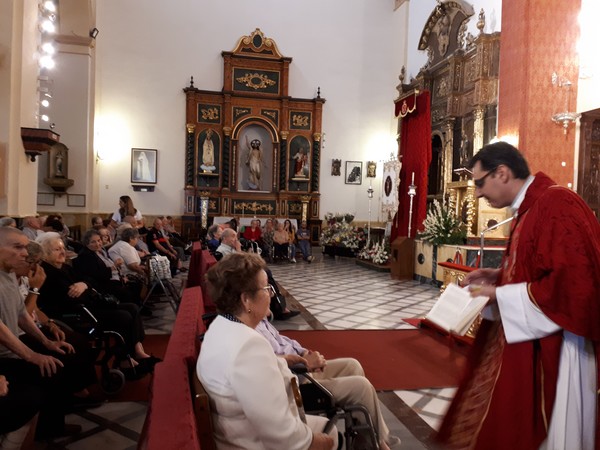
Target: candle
<point>413,178</point>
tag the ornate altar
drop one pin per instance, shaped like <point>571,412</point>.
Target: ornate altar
<point>461,75</point>
<point>251,149</point>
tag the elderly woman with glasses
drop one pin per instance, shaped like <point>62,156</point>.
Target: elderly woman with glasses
<point>79,368</point>
<point>64,292</point>
<point>250,387</point>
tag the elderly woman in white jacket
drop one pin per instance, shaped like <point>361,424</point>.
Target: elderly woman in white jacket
<point>249,387</point>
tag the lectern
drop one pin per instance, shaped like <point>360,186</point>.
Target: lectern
<point>403,258</point>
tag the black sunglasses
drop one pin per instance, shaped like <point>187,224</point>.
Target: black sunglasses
<point>479,183</point>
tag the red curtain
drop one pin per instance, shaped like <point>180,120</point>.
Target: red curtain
<point>415,148</point>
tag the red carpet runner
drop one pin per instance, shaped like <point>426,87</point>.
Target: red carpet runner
<point>393,359</point>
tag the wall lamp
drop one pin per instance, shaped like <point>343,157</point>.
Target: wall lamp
<point>564,118</point>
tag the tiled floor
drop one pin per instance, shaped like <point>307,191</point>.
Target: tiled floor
<point>332,294</point>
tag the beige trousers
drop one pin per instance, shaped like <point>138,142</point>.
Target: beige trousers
<point>345,378</point>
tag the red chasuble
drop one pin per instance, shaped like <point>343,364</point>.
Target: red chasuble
<point>506,397</point>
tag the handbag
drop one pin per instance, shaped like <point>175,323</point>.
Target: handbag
<point>105,299</point>
<point>160,268</point>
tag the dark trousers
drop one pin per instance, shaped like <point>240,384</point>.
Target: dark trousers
<point>278,303</point>
<point>79,369</point>
<point>125,319</point>
<point>31,392</point>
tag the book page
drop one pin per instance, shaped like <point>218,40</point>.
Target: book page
<point>455,310</point>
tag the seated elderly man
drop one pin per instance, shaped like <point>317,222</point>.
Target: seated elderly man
<point>343,377</point>
<point>32,227</point>
<point>230,244</point>
<point>159,244</point>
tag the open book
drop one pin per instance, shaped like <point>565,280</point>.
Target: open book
<point>456,310</point>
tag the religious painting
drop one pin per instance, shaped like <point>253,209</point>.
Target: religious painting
<point>300,158</point>
<point>371,169</point>
<point>143,165</point>
<point>336,167</point>
<point>255,150</point>
<point>209,145</point>
<point>353,172</point>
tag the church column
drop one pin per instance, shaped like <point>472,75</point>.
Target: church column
<point>447,157</point>
<point>316,163</point>
<point>544,35</point>
<point>189,156</point>
<point>282,161</point>
<point>72,108</point>
<point>226,157</point>
<point>478,127</point>
<point>19,38</point>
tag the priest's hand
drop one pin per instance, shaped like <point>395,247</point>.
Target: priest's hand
<point>484,290</point>
<point>481,276</point>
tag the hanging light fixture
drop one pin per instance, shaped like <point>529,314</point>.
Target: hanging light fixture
<point>564,118</point>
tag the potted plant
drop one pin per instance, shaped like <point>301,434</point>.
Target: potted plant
<point>442,227</point>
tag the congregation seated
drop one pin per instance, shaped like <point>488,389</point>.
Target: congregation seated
<point>213,237</point>
<point>303,238</point>
<point>267,239</point>
<point>97,222</point>
<point>126,208</point>
<point>63,293</point>
<point>8,222</point>
<point>160,245</point>
<point>281,242</point>
<point>291,231</point>
<point>32,227</point>
<point>249,386</point>
<point>35,381</point>
<point>125,249</point>
<point>229,245</point>
<point>105,235</point>
<point>94,266</point>
<point>79,369</point>
<point>343,377</point>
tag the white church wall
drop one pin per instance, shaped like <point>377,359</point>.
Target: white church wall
<point>147,50</point>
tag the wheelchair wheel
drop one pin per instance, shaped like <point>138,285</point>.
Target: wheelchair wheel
<point>113,381</point>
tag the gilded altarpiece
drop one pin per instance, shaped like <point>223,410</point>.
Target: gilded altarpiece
<point>462,76</point>
<point>251,149</point>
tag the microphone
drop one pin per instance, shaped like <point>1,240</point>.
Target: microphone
<point>481,238</point>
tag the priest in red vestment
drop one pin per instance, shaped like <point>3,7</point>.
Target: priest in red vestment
<point>532,378</point>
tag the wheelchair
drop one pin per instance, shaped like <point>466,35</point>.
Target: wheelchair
<point>106,344</point>
<point>318,400</point>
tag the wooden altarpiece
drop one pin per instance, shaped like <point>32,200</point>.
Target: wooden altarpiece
<point>461,75</point>
<point>251,149</point>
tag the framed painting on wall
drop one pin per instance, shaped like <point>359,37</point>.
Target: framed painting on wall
<point>143,165</point>
<point>353,172</point>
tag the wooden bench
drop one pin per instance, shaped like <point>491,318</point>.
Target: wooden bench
<point>179,414</point>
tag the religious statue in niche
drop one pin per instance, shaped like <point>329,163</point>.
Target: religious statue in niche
<point>336,167</point>
<point>465,149</point>
<point>58,168</point>
<point>300,151</point>
<point>208,153</point>
<point>58,161</point>
<point>255,150</point>
<point>254,161</point>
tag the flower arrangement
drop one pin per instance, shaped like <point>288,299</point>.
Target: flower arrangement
<point>340,232</point>
<point>378,253</point>
<point>442,226</point>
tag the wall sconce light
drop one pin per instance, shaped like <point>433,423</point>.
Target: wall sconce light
<point>94,32</point>
<point>566,117</point>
